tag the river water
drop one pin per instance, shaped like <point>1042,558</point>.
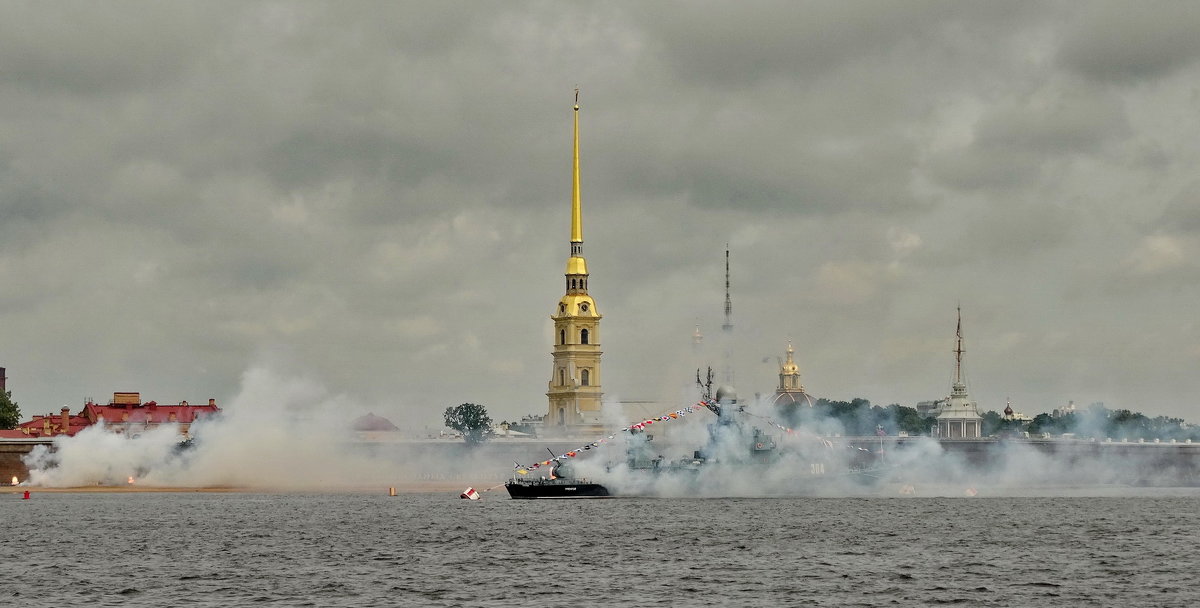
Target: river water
<point>238,549</point>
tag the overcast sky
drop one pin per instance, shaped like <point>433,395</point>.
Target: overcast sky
<point>375,197</point>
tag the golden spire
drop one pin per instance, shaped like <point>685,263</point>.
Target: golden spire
<point>576,265</point>
<point>576,214</point>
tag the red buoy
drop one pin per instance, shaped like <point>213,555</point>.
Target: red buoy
<point>26,496</point>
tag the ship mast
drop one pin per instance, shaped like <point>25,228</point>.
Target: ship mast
<point>727,327</point>
<point>958,350</point>
<point>959,388</point>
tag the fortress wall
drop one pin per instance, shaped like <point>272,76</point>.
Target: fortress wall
<point>10,461</point>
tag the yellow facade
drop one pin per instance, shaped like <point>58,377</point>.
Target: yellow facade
<point>574,389</point>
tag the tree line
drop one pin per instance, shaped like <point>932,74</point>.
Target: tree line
<point>1100,422</point>
<point>859,417</point>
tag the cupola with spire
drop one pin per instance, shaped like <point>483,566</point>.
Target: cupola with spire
<point>790,390</point>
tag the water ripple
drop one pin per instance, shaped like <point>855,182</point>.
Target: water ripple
<point>196,549</point>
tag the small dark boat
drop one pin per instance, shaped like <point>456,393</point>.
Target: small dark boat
<point>555,488</point>
<point>561,484</point>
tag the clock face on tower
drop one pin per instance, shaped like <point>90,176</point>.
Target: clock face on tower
<point>583,307</point>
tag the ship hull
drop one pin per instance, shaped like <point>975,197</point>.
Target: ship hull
<point>583,489</point>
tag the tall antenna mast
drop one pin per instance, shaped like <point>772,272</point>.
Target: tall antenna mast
<point>727,327</point>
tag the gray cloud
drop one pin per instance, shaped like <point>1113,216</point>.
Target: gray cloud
<point>1117,42</point>
<point>1019,141</point>
<point>376,194</point>
<point>1182,213</point>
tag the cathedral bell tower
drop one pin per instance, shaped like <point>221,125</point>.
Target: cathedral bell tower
<point>574,387</point>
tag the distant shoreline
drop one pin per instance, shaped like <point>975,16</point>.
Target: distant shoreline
<point>402,488</point>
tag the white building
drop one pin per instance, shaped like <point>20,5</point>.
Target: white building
<point>957,416</point>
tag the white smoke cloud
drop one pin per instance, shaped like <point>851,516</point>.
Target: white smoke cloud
<point>96,455</point>
<point>285,432</point>
<point>813,459</point>
<point>278,432</point>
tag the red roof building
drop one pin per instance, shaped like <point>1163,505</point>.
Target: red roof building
<point>124,414</point>
<point>371,422</point>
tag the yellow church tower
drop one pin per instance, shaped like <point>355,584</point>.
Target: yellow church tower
<point>574,387</point>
